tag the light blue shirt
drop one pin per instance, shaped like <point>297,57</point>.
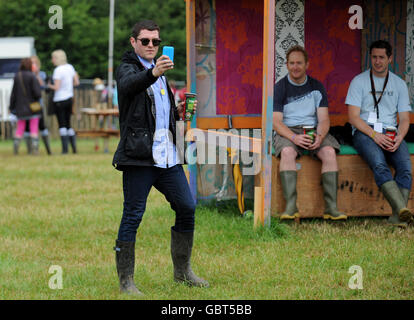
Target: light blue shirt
<point>163,148</point>
<point>394,100</point>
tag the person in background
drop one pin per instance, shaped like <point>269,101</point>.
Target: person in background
<point>375,98</point>
<point>115,105</point>
<point>64,79</point>
<point>26,89</point>
<point>300,101</point>
<point>41,77</point>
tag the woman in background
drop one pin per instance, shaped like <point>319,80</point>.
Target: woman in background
<point>26,89</point>
<point>64,79</point>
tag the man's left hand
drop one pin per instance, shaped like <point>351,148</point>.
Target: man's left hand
<point>181,107</point>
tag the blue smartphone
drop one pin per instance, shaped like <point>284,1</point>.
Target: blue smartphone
<point>168,51</point>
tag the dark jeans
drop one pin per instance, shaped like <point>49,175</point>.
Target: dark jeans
<point>378,160</point>
<point>172,182</point>
<point>63,111</point>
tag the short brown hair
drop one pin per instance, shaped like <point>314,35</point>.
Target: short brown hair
<point>297,48</point>
<point>144,25</point>
<point>26,64</point>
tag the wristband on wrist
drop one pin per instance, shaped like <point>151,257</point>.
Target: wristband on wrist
<point>293,137</point>
<point>373,134</point>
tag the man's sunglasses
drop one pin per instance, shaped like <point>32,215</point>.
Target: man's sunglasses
<point>146,41</point>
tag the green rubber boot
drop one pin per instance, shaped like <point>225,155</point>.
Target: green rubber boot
<point>330,191</point>
<point>401,215</point>
<point>181,248</point>
<point>288,180</point>
<point>125,267</point>
<point>406,195</point>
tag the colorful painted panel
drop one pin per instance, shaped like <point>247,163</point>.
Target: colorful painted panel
<point>289,31</point>
<point>409,78</point>
<point>205,22</point>
<point>239,56</point>
<point>387,20</point>
<point>334,49</point>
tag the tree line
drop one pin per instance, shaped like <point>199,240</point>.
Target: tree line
<point>85,30</point>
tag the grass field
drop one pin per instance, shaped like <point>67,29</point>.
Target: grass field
<point>65,211</point>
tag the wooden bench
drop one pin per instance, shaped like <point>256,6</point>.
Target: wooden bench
<point>358,195</point>
<point>99,133</point>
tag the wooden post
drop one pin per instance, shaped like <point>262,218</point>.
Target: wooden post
<point>258,210</point>
<point>267,109</point>
<point>191,79</point>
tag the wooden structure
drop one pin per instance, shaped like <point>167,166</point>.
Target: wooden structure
<point>265,82</point>
<point>236,52</point>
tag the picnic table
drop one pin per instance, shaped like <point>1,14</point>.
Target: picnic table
<point>100,126</point>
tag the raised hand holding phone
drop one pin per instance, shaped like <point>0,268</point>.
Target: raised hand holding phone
<point>165,62</point>
<point>168,51</point>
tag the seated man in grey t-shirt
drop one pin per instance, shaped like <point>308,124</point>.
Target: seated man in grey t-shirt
<point>301,101</point>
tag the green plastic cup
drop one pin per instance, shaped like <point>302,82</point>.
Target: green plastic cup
<point>189,105</point>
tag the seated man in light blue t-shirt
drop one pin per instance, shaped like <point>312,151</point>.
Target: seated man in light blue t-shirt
<point>370,115</point>
<point>301,101</point>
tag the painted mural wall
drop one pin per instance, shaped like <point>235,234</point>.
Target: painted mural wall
<point>205,35</point>
<point>334,49</point>
<point>239,56</point>
<point>385,19</point>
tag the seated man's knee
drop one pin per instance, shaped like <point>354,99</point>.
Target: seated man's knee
<point>381,168</point>
<point>288,153</point>
<point>328,151</point>
<point>327,154</point>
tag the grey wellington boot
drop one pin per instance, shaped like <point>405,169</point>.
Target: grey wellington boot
<point>288,180</point>
<point>35,146</point>
<point>125,266</point>
<point>181,247</point>
<point>72,140</point>
<point>401,215</point>
<point>16,144</point>
<point>330,191</point>
<point>46,142</point>
<point>28,141</point>
<point>394,219</point>
<point>406,194</point>
<point>65,142</point>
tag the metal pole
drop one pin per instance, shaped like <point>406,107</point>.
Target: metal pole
<point>110,51</point>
